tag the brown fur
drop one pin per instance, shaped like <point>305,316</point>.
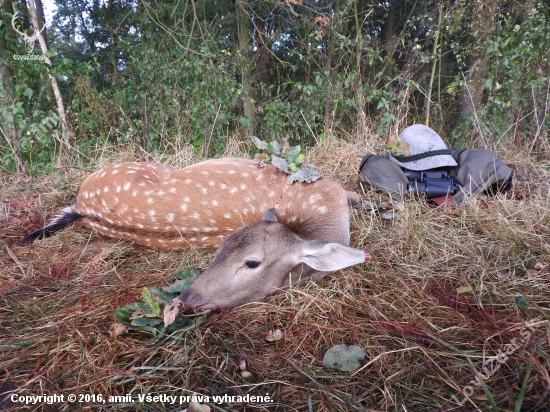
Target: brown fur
<point>161,207</point>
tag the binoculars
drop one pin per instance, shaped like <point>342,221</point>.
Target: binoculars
<point>431,183</point>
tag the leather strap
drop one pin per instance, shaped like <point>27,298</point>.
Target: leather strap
<point>444,200</point>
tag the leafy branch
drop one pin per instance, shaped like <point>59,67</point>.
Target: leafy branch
<point>287,158</point>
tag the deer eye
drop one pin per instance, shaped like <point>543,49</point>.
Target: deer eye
<point>251,264</point>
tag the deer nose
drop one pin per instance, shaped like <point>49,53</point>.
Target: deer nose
<point>192,298</point>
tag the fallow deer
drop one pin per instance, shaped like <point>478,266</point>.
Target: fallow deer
<point>274,234</point>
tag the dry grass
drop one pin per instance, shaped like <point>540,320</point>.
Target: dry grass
<point>425,343</point>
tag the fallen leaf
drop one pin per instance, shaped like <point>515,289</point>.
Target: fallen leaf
<point>532,273</point>
<point>272,336</point>
<point>197,407</point>
<point>538,266</point>
<point>344,357</point>
<point>463,290</point>
<point>242,365</point>
<point>521,303</point>
<point>117,330</point>
<point>171,311</point>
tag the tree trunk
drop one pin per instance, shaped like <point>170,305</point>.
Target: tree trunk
<point>434,64</point>
<point>330,53</point>
<point>38,24</point>
<point>386,36</point>
<point>361,116</point>
<point>114,48</point>
<point>7,75</point>
<point>243,33</point>
<point>476,63</point>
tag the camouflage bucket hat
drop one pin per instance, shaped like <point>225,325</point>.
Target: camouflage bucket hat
<point>424,149</point>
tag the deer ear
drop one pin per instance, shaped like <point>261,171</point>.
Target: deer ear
<point>326,257</point>
<point>269,216</point>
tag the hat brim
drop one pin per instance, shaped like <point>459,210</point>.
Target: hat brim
<point>427,163</point>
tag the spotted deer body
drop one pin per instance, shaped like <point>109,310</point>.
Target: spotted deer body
<point>262,219</point>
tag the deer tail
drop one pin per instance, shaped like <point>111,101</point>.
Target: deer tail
<point>64,219</point>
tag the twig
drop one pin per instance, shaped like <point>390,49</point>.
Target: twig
<point>473,106</point>
<point>380,355</point>
<point>205,153</point>
<point>309,127</point>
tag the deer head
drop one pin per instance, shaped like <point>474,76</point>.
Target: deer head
<point>262,257</point>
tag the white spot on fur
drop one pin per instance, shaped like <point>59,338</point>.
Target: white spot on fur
<point>322,209</point>
<point>243,186</point>
<point>214,203</point>
<point>172,190</point>
<point>127,186</point>
<point>233,190</point>
<point>170,217</point>
<point>140,225</point>
<point>150,200</point>
<point>184,207</point>
<point>227,216</point>
<point>314,198</point>
<point>195,215</point>
<point>114,172</point>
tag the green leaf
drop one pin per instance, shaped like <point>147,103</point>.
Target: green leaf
<point>281,164</point>
<point>165,296</point>
<point>185,279</point>
<point>274,148</point>
<point>521,303</point>
<point>344,357</point>
<point>123,314</point>
<point>133,306</point>
<point>524,386</point>
<point>260,144</point>
<point>145,322</point>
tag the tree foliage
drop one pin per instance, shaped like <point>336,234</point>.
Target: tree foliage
<point>167,74</point>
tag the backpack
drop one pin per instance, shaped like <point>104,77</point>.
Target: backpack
<point>478,171</point>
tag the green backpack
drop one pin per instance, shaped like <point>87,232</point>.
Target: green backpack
<point>478,171</point>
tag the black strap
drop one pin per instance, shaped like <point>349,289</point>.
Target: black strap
<point>423,155</point>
